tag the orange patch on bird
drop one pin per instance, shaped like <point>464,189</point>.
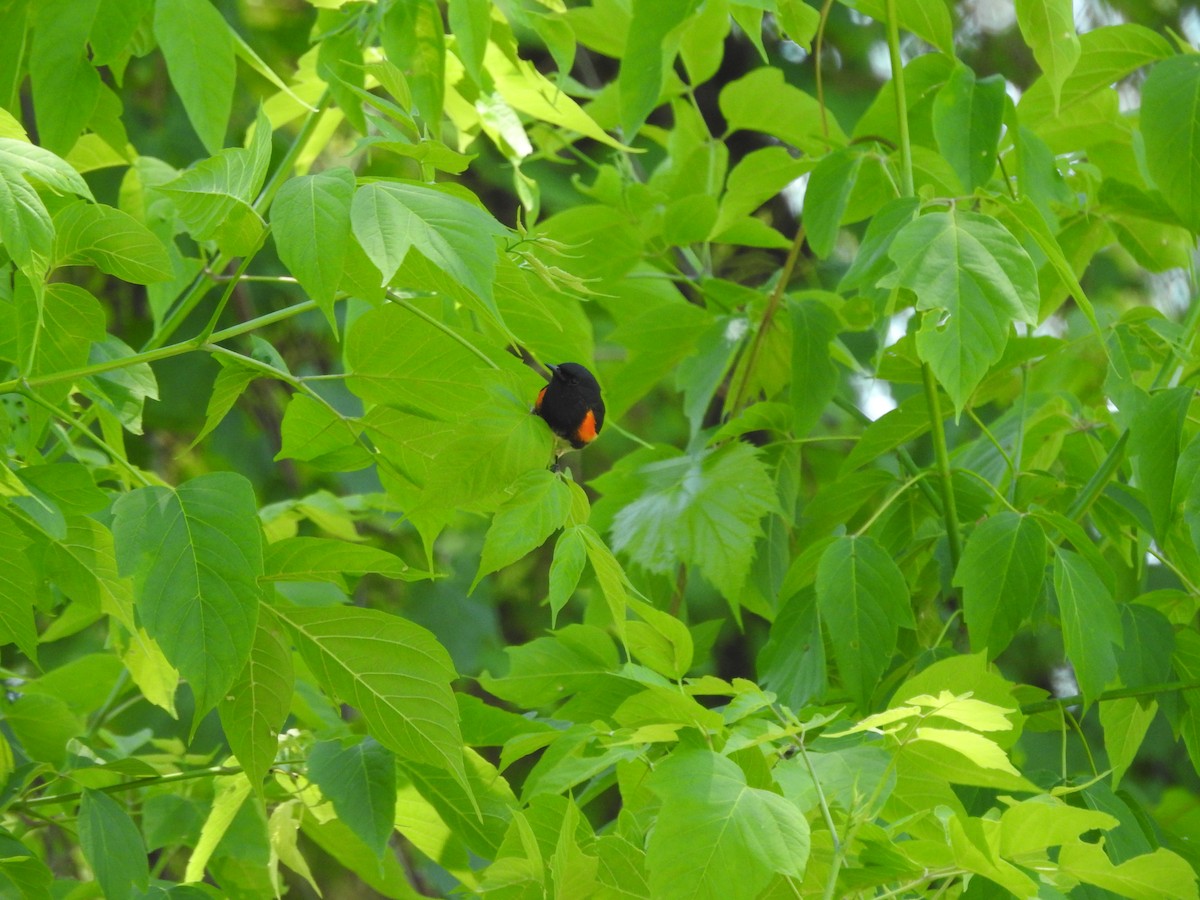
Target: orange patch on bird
<point>587,428</point>
<point>537,404</point>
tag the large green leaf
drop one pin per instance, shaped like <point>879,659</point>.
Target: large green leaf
<point>393,672</point>
<point>1091,624</point>
<point>1048,27</point>
<point>17,590</point>
<point>64,85</point>
<point>863,600</point>
<point>113,846</point>
<point>26,229</point>
<point>537,508</point>
<point>111,240</point>
<point>257,703</point>
<point>763,101</point>
<point>310,220</point>
<point>1171,127</point>
<point>195,554</point>
<point>326,559</point>
<point>704,510</point>
<point>640,80</point>
<point>972,281</point>
<point>360,780</point>
<point>214,197</point>
<point>199,50</point>
<point>828,193</point>
<point>1155,439</point>
<point>716,837</point>
<point>814,376</point>
<point>71,320</point>
<point>966,123</point>
<point>415,42</point>
<point>928,21</point>
<point>1001,574</point>
<point>548,669</point>
<point>390,217</point>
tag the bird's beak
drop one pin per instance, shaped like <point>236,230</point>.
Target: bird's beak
<point>553,370</point>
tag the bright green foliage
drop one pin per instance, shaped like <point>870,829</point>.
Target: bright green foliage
<point>297,595</point>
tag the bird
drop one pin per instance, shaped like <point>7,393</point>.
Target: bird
<point>571,404</point>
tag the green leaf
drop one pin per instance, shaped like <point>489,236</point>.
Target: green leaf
<point>230,793</point>
<point>326,559</point>
<point>704,510</point>
<point>26,229</point>
<point>570,554</point>
<point>1171,129</point>
<point>310,219</point>
<point>414,41</point>
<point>231,382</point>
<point>1045,821</point>
<point>195,554</point>
<point>340,66</point>
<point>1001,574</point>
<point>715,836</point>
<point>390,217</point>
<point>122,391</point>
<point>112,241</point>
<point>470,20</point>
<point>112,846</point>
<point>1091,623</point>
<point>827,195</point>
<point>537,508</point>
<point>63,84</point>
<point>318,434</point>
<point>763,101</point>
<point>361,782</point>
<point>640,81</point>
<point>1125,722</point>
<point>760,175</point>
<point>44,726</point>
<point>966,123</point>
<point>972,280</point>
<point>1048,27</point>
<point>71,320</point>
<point>862,598</point>
<point>393,672</point>
<point>257,703</point>
<point>928,21</point>
<point>872,262</point>
<point>548,669</point>
<point>18,584</point>
<point>814,376</point>
<point>1161,875</point>
<point>1155,440</point>
<point>199,50</point>
<point>792,661</point>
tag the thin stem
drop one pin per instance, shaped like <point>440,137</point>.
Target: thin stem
<point>991,487</point>
<point>888,502</point>
<point>826,813</point>
<point>979,423</point>
<point>150,781</point>
<point>1018,450</point>
<point>942,455</point>
<point>785,275</point>
<point>820,46</point>
<point>87,432</point>
<point>902,455</point>
<point>1115,694</point>
<point>893,40</point>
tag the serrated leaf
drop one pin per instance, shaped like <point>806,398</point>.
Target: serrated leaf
<point>361,782</point>
<point>1090,622</point>
<point>863,599</point>
<point>1171,129</point>
<point>393,672</point>
<point>1048,27</point>
<point>325,559</point>
<point>1001,574</point>
<point>967,115</point>
<point>195,554</point>
<point>390,217</point>
<point>1161,875</point>
<point>199,51</point>
<point>537,508</point>
<point>310,219</point>
<point>704,510</point>
<point>257,704</point>
<point>112,846</point>
<point>716,837</point>
<point>111,240</point>
<point>972,281</point>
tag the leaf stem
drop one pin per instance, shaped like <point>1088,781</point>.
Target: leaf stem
<point>1147,690</point>
<point>149,781</point>
<point>893,41</point>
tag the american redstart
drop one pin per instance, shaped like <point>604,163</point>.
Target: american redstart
<point>571,404</point>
